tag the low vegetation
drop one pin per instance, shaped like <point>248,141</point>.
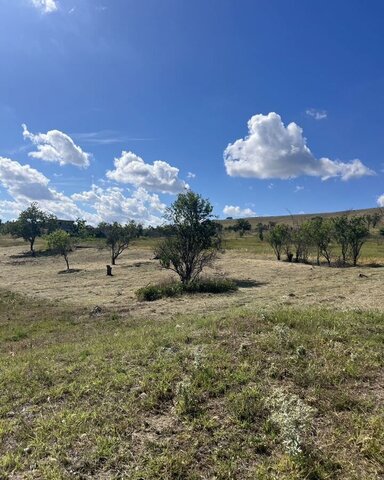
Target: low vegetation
<point>246,390</point>
<point>287,394</point>
<point>173,289</point>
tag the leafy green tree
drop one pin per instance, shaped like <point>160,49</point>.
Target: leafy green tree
<point>279,239</point>
<point>32,223</point>
<point>242,225</point>
<point>376,217</point>
<point>358,233</point>
<point>341,234</point>
<point>300,241</point>
<point>80,228</point>
<point>196,239</point>
<point>260,231</point>
<point>60,242</point>
<point>350,234</point>
<point>118,237</point>
<point>321,231</point>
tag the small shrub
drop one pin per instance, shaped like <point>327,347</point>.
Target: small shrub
<point>248,405</point>
<point>155,292</point>
<point>172,289</point>
<point>211,285</point>
<point>187,400</point>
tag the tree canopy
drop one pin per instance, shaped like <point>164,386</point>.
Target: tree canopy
<point>60,242</point>
<point>196,239</point>
<point>32,223</point>
<point>118,237</point>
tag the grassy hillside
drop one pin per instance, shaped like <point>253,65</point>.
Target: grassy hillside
<point>298,218</point>
<point>241,393</point>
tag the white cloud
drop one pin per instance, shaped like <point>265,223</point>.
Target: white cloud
<point>159,177</point>
<point>298,188</point>
<point>23,180</point>
<point>380,201</point>
<point>46,6</point>
<point>273,150</point>
<point>26,184</point>
<point>56,146</point>
<point>191,175</point>
<point>316,114</point>
<point>110,204</point>
<point>234,211</point>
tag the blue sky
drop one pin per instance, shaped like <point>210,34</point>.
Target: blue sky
<point>109,108</point>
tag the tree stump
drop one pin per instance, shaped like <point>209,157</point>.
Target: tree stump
<point>109,270</point>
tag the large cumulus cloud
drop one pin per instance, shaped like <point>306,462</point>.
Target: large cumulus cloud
<point>159,177</point>
<point>273,150</point>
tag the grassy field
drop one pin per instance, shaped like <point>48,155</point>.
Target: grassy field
<point>282,379</point>
<point>242,394</point>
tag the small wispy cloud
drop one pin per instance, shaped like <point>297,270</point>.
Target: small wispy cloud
<point>191,175</point>
<point>298,188</point>
<point>106,137</point>
<point>316,114</point>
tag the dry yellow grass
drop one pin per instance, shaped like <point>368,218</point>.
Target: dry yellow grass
<point>264,283</point>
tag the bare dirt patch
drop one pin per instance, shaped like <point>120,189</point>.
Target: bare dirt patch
<point>262,282</point>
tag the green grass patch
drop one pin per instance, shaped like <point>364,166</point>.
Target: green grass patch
<point>173,289</point>
<point>241,393</point>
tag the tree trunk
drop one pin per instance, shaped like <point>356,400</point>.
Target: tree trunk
<point>66,261</point>
<point>113,260</point>
<point>32,242</point>
<point>109,270</point>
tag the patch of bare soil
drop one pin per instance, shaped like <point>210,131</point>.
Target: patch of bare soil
<point>263,283</point>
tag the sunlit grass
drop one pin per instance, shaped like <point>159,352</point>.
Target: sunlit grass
<point>189,396</point>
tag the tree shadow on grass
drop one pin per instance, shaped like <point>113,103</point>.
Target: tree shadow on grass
<point>28,254</point>
<point>372,265</point>
<point>249,283</point>
<point>71,270</point>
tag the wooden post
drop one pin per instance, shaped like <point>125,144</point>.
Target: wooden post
<point>109,270</point>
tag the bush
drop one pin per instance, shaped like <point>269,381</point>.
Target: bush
<point>155,292</point>
<point>211,285</point>
<point>173,289</point>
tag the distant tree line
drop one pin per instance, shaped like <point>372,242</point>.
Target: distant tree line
<point>192,237</point>
<point>61,235</point>
<point>336,240</point>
